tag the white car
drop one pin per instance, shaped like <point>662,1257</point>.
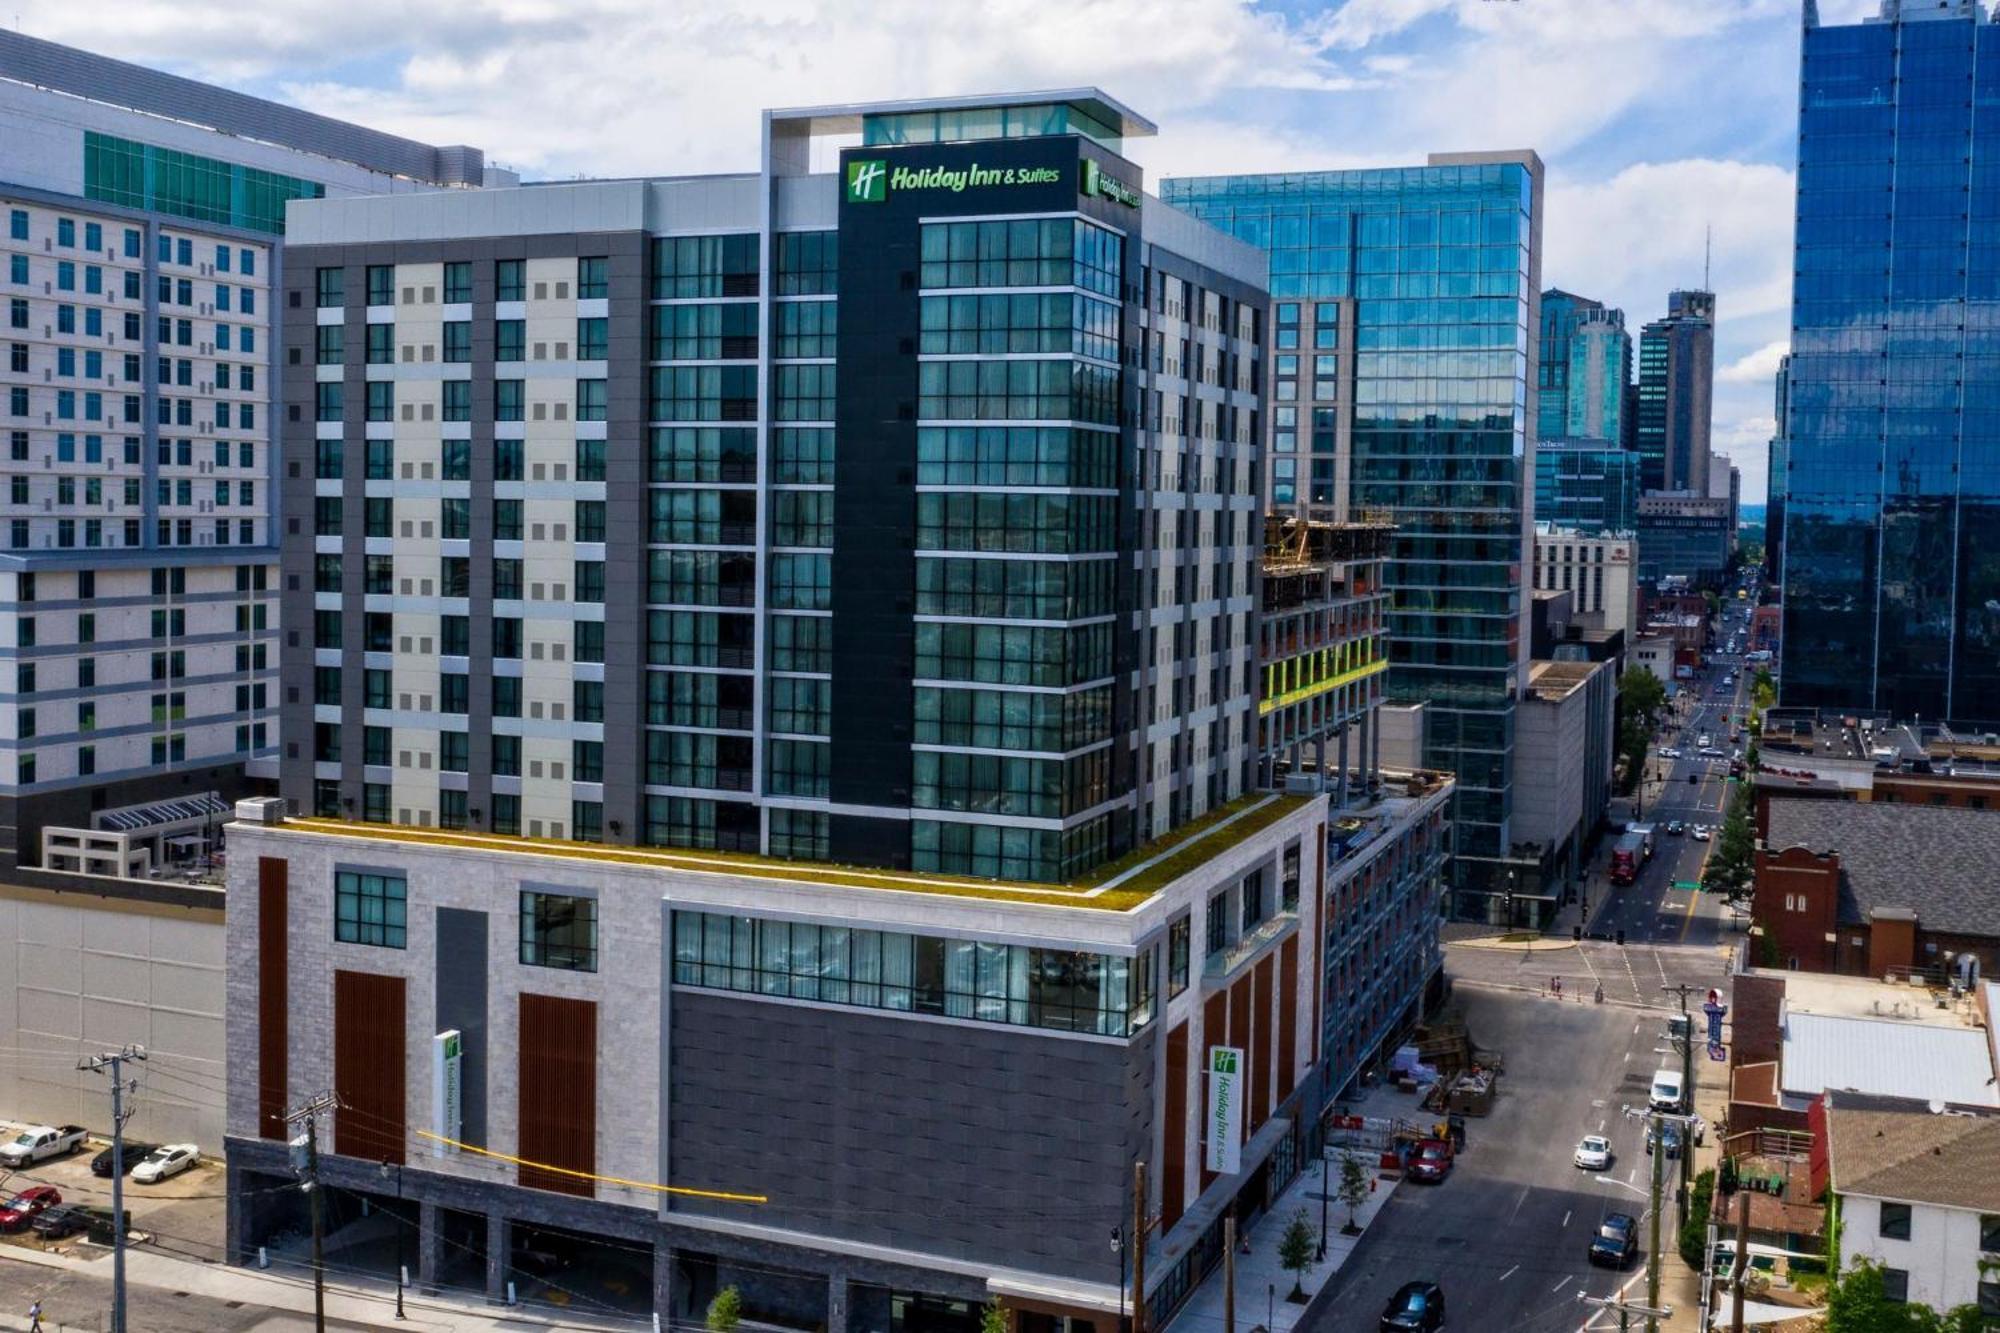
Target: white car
<point>1670,752</point>
<point>1699,833</point>
<point>166,1162</point>
<point>1594,1153</point>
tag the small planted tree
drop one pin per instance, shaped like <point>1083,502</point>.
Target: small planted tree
<point>1353,1190</point>
<point>725,1312</point>
<point>1295,1252</point>
<point>992,1318</point>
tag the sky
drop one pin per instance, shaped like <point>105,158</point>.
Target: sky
<point>1661,121</point>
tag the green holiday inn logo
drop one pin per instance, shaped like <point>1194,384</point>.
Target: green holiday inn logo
<point>1103,184</point>
<point>867,181</point>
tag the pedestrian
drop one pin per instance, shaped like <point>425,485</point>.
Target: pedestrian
<point>35,1317</point>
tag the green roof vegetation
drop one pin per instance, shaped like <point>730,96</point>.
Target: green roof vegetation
<point>1115,887</point>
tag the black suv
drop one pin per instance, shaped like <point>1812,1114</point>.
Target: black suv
<point>1417,1307</point>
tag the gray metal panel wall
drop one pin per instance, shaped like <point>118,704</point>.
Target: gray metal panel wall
<point>461,1004</point>
<point>986,1143</point>
<point>115,82</point>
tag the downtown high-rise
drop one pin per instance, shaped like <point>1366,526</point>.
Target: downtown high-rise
<point>1675,395</point>
<point>1431,275</point>
<point>1891,502</point>
<point>141,230</point>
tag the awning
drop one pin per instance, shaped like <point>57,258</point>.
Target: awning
<point>1757,1312</point>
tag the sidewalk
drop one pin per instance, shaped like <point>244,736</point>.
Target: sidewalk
<point>360,1305</point>
<point>1261,1284</point>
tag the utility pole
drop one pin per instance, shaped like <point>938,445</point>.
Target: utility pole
<point>1742,1264</point>
<point>1139,1247</point>
<point>1686,1043</point>
<point>1659,1131</point>
<point>305,1160</point>
<point>1229,1270</point>
<point>115,1062</point>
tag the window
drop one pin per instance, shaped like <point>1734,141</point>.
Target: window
<point>458,341</point>
<point>1895,1223</point>
<point>330,287</point>
<point>369,908</point>
<point>558,930</point>
<point>587,761</point>
<point>593,279</point>
<point>457,283</point>
<point>590,460</point>
<point>1989,1232</point>
<point>510,340</point>
<point>1896,1284</point>
<point>1177,955</point>
<point>593,343</point>
<point>381,350</point>
<point>508,401</point>
<point>591,400</point>
<point>509,280</point>
<point>381,284</point>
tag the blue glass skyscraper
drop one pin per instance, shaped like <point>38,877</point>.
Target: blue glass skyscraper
<point>1441,264</point>
<point>1891,546</point>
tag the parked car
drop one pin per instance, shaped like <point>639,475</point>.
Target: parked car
<point>1615,1241</point>
<point>40,1143</point>
<point>135,1153</point>
<point>1432,1162</point>
<point>64,1220</point>
<point>1670,1133</point>
<point>1594,1153</point>
<point>1417,1307</point>
<point>165,1163</point>
<point>1665,1094</point>
<point>21,1210</point>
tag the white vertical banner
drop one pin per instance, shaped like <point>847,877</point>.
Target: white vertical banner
<point>447,1057</point>
<point>1224,1153</point>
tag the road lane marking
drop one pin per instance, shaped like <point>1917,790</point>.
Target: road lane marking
<point>1510,1272</point>
<point>1560,1285</point>
<point>1566,1213</point>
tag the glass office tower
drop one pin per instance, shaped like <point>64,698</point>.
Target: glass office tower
<point>1561,313</point>
<point>1443,263</point>
<point>1589,485</point>
<point>1892,508</point>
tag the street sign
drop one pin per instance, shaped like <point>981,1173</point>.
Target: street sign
<point>1687,884</point>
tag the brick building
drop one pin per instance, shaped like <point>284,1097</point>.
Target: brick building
<point>1874,888</point>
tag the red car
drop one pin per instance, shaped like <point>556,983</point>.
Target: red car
<point>1432,1162</point>
<point>26,1206</point>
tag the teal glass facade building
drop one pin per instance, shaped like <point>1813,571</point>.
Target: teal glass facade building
<point>1589,485</point>
<point>1442,263</point>
<point>1891,509</point>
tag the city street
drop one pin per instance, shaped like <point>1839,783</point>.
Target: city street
<point>1506,1234</point>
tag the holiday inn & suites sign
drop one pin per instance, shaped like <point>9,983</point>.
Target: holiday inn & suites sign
<point>870,180</point>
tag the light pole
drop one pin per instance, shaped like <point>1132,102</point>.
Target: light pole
<point>1118,1249</point>
<point>1325,1183</point>
<point>400,1259</point>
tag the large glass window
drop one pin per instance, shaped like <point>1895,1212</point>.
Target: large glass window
<point>1054,390</point>
<point>973,979</point>
<point>1022,252</point>
<point>558,930</point>
<point>808,263</point>
<point>694,266</point>
<point>725,332</point>
<point>995,323</point>
<point>806,328</point>
<point>1016,456</point>
<point>369,908</point>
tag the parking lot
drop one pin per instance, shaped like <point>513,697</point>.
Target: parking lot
<point>182,1215</point>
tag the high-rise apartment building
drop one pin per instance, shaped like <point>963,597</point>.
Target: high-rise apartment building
<point>1891,504</point>
<point>1586,364</point>
<point>776,678</point>
<point>1675,388</point>
<point>1438,269</point>
<point>139,262</point>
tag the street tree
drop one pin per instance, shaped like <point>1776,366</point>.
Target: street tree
<point>1295,1252</point>
<point>725,1312</point>
<point>1733,866</point>
<point>1641,698</point>
<point>1353,1190</point>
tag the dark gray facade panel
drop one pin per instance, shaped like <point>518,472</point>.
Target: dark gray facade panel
<point>993,1145</point>
<point>461,1004</point>
<point>115,82</point>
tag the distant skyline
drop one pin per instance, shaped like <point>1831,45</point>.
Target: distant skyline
<point>1656,120</point>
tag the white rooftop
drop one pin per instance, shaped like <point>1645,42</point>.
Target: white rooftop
<point>1886,1056</point>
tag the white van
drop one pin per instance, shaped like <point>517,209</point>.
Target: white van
<point>1666,1094</point>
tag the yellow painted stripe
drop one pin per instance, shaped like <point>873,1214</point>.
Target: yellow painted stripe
<point>682,1190</point>
<point>1321,687</point>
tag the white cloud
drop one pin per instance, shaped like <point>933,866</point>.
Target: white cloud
<point>1758,367</point>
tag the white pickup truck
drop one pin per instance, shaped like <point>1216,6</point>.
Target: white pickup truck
<point>41,1143</point>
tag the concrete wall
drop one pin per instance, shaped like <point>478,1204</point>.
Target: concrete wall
<point>83,975</point>
<point>1549,745</point>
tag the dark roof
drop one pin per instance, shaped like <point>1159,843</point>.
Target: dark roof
<point>1937,861</point>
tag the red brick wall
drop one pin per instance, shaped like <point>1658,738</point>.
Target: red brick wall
<point>1797,899</point>
<point>1753,1019</point>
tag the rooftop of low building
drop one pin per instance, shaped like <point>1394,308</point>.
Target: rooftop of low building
<point>1114,887</point>
<point>1914,1154</point>
<point>1937,861</point>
